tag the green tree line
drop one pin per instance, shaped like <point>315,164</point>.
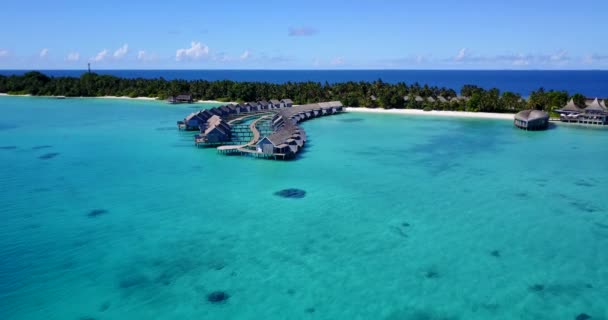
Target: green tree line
<point>376,94</point>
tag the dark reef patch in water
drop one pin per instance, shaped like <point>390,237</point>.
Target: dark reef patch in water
<point>104,306</point>
<point>601,225</point>
<point>48,156</point>
<point>8,147</point>
<point>399,231</point>
<point>41,147</point>
<point>495,253</point>
<point>310,310</point>
<point>409,314</point>
<point>291,193</point>
<point>132,280</point>
<point>522,195</point>
<point>431,274</point>
<point>4,126</point>
<point>97,212</point>
<point>536,287</point>
<point>584,183</point>
<point>87,318</point>
<point>584,206</point>
<point>291,292</point>
<point>218,297</point>
<point>582,316</point>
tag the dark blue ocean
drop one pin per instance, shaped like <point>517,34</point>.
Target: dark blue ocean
<point>589,83</point>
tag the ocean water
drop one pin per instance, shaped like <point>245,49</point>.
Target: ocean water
<point>590,83</point>
<point>109,212</point>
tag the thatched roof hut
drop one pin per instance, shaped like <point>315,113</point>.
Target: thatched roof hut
<point>570,107</point>
<point>531,120</point>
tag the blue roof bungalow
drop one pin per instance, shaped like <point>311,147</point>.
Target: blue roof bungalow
<point>232,109</point>
<point>216,111</point>
<point>227,111</point>
<point>274,104</point>
<point>286,103</point>
<point>239,108</point>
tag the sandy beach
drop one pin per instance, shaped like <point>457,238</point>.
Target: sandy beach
<point>461,114</point>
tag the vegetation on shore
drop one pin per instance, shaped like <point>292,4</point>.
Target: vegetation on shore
<point>377,94</point>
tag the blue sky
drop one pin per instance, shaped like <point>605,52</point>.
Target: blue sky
<point>312,34</point>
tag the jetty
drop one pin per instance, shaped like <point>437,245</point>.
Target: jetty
<point>263,129</point>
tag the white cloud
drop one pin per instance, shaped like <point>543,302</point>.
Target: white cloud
<point>44,53</point>
<point>73,56</point>
<point>3,53</point>
<point>245,55</point>
<point>195,52</point>
<point>102,55</point>
<point>337,61</point>
<point>122,51</point>
<point>462,54</point>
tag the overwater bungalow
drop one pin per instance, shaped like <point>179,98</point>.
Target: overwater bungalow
<point>228,109</point>
<point>531,120</point>
<point>263,105</point>
<point>193,121</point>
<point>286,103</point>
<point>274,104</point>
<point>182,98</point>
<point>213,131</point>
<point>251,106</point>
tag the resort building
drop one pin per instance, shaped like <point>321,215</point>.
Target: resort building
<point>531,120</point>
<point>594,112</point>
<point>182,98</point>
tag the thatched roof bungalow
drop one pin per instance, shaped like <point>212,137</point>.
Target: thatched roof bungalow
<point>596,108</point>
<point>531,120</point>
<point>570,108</point>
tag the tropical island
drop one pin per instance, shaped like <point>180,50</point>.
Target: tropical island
<point>376,94</point>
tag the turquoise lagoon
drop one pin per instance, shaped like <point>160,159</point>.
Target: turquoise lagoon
<point>109,212</point>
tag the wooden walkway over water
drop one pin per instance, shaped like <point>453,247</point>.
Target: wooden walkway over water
<point>273,134</point>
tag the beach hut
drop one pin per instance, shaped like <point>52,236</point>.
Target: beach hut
<point>442,99</point>
<point>531,120</point>
<point>286,103</point>
<point>430,100</point>
<point>419,99</point>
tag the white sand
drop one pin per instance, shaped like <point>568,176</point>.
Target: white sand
<point>462,114</point>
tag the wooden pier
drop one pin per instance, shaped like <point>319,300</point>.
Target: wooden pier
<point>274,132</point>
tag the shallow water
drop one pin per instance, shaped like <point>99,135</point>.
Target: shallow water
<point>402,217</point>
